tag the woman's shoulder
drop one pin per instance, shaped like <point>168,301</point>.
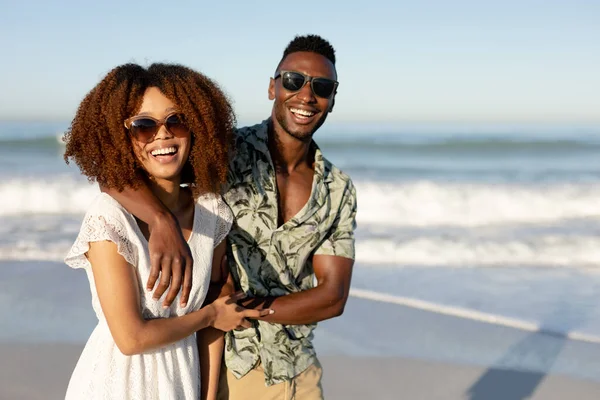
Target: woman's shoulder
<point>106,206</point>
<point>213,205</point>
<point>104,202</point>
<point>105,219</point>
<point>209,199</point>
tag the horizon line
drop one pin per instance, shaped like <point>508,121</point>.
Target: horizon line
<point>381,122</point>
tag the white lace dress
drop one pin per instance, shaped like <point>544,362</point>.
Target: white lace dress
<point>173,371</point>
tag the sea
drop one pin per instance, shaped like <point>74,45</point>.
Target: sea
<point>488,224</point>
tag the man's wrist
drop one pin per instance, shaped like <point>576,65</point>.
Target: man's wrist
<point>162,218</point>
<point>257,303</point>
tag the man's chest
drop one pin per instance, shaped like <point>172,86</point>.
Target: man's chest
<point>288,214</point>
<point>293,193</point>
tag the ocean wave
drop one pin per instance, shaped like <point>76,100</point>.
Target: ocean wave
<point>430,203</point>
<point>419,224</point>
<point>45,142</point>
<point>558,251</point>
<point>28,250</point>
<point>58,195</point>
<point>568,251</point>
<point>386,205</point>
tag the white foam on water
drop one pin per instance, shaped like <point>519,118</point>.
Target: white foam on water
<point>56,195</point>
<point>401,222</point>
<point>25,250</point>
<point>428,203</point>
<point>572,251</point>
<point>388,205</point>
<point>388,208</point>
<point>582,253</point>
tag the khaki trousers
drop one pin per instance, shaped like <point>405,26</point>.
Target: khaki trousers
<point>305,386</point>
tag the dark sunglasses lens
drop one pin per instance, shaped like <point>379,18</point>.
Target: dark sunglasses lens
<point>143,129</point>
<point>292,81</point>
<point>323,87</point>
<point>176,125</point>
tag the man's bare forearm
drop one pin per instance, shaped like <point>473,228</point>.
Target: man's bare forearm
<point>306,307</point>
<point>141,202</point>
<point>170,255</point>
<point>325,301</point>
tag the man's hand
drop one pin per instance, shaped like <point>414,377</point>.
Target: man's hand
<point>228,315</point>
<point>171,258</point>
<point>170,255</point>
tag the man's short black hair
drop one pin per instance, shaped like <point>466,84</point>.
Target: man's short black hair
<point>311,43</point>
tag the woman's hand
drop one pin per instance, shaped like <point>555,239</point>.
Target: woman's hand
<point>229,315</point>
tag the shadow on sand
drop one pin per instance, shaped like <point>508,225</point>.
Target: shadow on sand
<point>536,354</point>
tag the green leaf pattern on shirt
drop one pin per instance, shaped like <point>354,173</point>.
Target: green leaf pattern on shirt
<point>267,260</point>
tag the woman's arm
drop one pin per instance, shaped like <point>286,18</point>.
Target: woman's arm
<point>118,291</point>
<point>211,342</point>
<point>170,255</point>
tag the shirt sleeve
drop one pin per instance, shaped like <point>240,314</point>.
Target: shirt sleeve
<point>103,221</point>
<point>340,238</point>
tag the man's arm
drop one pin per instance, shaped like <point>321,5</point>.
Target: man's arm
<point>118,291</point>
<point>170,255</point>
<point>326,300</point>
<point>332,264</point>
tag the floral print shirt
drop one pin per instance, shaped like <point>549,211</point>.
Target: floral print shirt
<point>271,260</point>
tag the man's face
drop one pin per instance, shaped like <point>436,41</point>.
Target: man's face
<point>301,113</point>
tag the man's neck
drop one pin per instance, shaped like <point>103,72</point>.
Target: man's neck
<point>287,152</point>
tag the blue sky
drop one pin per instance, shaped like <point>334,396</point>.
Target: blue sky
<point>398,61</point>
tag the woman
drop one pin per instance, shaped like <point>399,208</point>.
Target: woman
<point>171,126</point>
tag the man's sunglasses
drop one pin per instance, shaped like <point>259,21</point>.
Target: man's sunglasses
<point>294,81</point>
<point>144,128</point>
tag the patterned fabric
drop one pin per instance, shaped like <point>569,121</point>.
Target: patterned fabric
<point>267,260</point>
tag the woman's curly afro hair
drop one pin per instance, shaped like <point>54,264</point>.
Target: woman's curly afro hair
<point>99,143</point>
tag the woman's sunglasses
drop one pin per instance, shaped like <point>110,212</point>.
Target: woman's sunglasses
<point>294,81</point>
<point>145,128</point>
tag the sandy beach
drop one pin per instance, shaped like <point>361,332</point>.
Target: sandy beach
<point>35,372</point>
<point>375,351</point>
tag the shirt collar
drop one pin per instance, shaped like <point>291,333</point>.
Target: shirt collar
<point>322,165</point>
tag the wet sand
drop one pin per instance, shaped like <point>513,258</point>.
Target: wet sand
<point>42,371</point>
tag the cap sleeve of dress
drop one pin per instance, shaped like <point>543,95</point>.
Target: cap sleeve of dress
<point>224,220</point>
<point>104,220</point>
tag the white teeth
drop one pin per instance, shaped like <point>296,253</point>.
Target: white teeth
<point>302,112</point>
<point>166,150</point>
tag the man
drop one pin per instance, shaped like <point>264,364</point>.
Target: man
<point>294,221</point>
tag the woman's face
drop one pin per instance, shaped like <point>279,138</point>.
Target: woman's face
<point>164,154</point>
